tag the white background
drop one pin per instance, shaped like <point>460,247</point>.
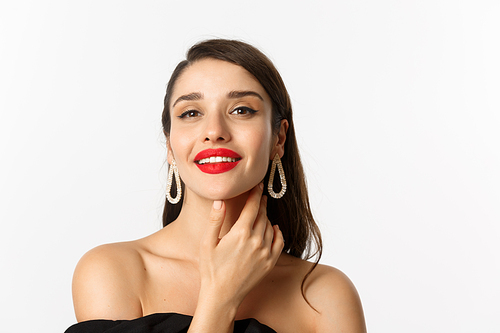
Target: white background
<point>397,113</point>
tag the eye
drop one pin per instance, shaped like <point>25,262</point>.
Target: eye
<point>243,110</point>
<point>190,114</point>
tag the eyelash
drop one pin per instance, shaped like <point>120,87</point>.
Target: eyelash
<point>186,113</point>
<point>190,113</point>
<point>244,108</point>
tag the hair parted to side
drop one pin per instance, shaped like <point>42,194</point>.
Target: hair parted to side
<point>292,212</point>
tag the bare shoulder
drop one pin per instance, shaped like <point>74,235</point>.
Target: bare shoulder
<point>336,300</point>
<point>106,280</point>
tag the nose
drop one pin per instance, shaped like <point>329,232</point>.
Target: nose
<point>216,129</point>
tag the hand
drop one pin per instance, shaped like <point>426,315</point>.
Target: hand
<point>232,266</point>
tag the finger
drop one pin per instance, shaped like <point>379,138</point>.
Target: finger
<point>269,235</point>
<point>215,221</point>
<point>278,243</point>
<point>261,221</point>
<point>251,208</point>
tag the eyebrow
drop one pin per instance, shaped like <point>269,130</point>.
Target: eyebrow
<point>195,96</point>
<point>189,97</point>
<point>240,94</point>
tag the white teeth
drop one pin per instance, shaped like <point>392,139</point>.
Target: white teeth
<point>216,159</point>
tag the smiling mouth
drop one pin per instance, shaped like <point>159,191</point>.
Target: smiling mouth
<point>217,159</point>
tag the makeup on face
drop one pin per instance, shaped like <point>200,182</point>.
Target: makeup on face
<point>221,130</point>
<point>214,161</point>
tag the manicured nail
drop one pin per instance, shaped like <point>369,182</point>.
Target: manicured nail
<point>217,204</point>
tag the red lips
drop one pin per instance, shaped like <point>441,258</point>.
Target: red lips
<point>219,167</point>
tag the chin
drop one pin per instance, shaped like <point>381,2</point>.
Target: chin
<point>225,194</point>
<point>222,192</point>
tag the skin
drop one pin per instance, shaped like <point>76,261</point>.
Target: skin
<point>221,259</point>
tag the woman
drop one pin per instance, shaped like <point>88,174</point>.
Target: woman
<point>226,253</point>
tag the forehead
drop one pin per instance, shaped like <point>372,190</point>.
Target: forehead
<point>215,78</point>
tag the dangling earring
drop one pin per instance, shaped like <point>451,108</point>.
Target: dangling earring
<point>172,170</point>
<point>277,162</point>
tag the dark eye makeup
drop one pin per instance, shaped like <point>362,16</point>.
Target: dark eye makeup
<point>189,114</point>
<point>243,110</point>
<point>240,110</point>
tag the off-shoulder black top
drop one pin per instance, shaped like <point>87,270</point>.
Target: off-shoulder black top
<point>159,323</point>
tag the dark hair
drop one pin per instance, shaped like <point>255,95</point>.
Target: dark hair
<point>292,212</point>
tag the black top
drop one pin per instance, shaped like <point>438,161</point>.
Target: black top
<point>159,323</point>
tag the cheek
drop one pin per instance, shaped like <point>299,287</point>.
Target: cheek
<point>179,142</point>
<point>259,140</point>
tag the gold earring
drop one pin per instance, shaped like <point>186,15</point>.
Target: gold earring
<point>277,162</point>
<point>172,170</point>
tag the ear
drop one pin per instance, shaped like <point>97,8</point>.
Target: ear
<point>279,146</point>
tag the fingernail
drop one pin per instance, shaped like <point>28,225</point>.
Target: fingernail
<point>261,186</point>
<point>217,204</point>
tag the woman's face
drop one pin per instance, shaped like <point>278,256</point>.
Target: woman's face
<point>221,136</point>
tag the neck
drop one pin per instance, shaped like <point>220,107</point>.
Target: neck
<point>191,223</point>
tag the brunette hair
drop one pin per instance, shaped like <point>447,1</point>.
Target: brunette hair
<point>292,212</point>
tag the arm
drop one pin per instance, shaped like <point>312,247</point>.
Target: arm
<point>103,285</point>
<point>334,296</point>
<point>231,267</point>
